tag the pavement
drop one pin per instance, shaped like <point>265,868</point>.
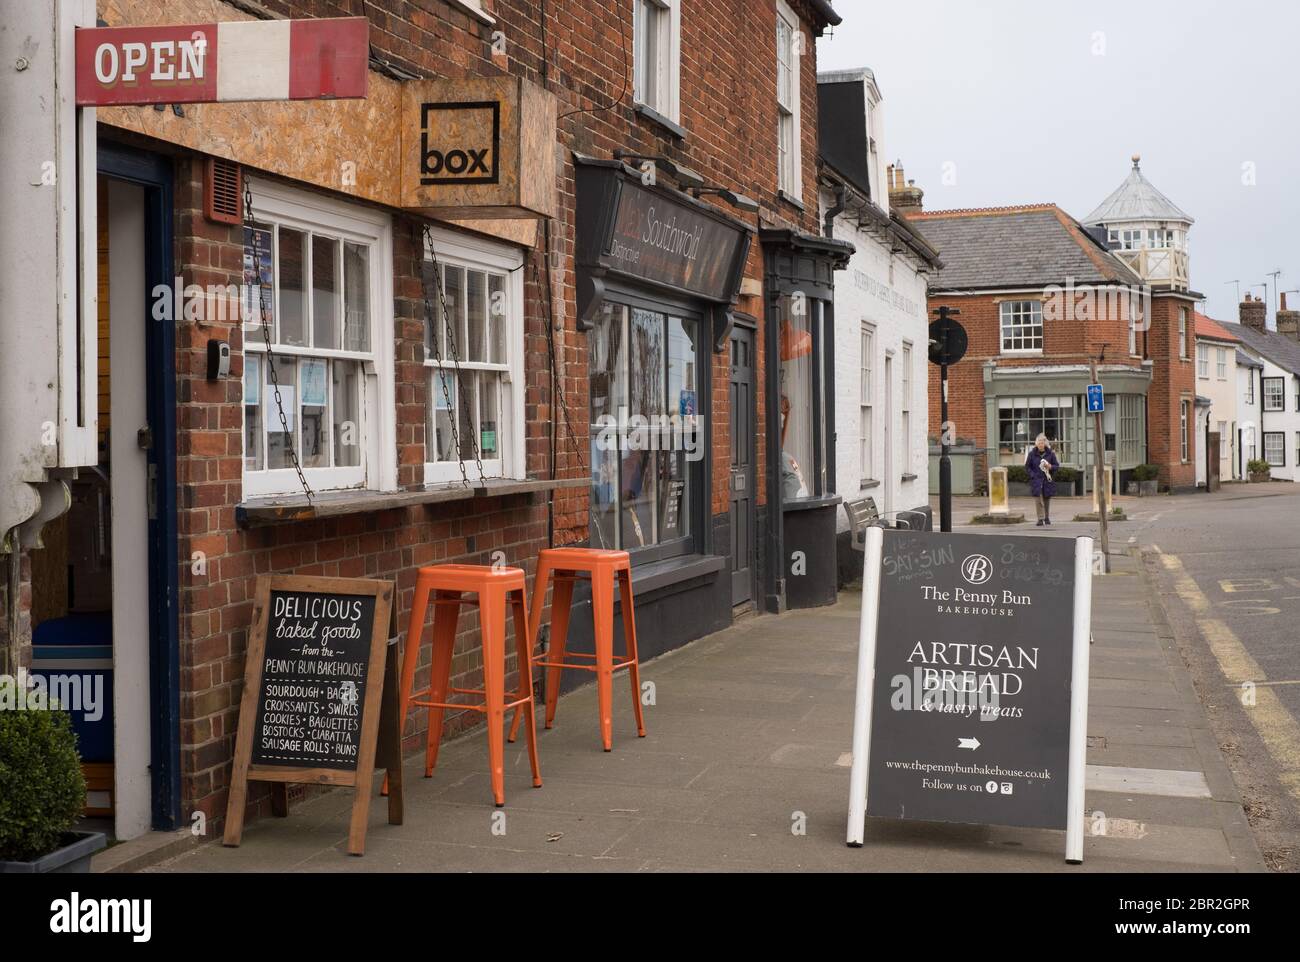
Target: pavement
<point>745,768</point>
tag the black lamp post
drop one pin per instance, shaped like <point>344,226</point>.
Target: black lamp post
<point>947,346</point>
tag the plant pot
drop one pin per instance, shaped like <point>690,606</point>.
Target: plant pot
<point>73,856</point>
<point>1019,489</point>
<point>1147,489</point>
<point>1257,476</point>
<point>1132,488</point>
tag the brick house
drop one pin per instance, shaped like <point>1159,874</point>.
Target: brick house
<point>1040,296</point>
<point>651,136</point>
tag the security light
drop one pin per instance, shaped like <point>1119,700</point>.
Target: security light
<point>738,201</point>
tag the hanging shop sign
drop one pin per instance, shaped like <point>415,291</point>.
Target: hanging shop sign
<point>481,147</point>
<point>222,62</point>
<point>320,695</point>
<point>972,686</point>
<point>649,234</point>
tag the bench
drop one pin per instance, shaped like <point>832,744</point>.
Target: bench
<point>863,514</point>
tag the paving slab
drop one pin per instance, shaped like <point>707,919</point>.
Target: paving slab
<point>745,769</point>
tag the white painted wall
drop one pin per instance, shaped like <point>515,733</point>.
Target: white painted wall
<point>1223,403</point>
<point>893,302</point>
<point>1286,421</point>
<point>1248,407</point>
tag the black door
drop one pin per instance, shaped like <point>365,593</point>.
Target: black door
<point>742,465</point>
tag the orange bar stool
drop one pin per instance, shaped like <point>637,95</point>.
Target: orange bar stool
<point>566,566</point>
<point>495,588</point>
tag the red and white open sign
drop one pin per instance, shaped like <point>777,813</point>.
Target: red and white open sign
<point>211,62</point>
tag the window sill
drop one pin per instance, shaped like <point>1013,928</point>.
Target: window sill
<point>868,484</point>
<point>482,16</point>
<point>674,571</point>
<point>332,504</point>
<point>909,477</point>
<point>790,199</point>
<point>677,131</point>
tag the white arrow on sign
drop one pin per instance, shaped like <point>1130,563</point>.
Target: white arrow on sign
<point>971,743</point>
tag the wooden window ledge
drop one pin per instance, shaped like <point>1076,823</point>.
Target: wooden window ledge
<point>284,509</point>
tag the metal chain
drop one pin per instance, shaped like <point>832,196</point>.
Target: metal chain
<point>455,360</point>
<point>250,224</point>
<point>559,381</point>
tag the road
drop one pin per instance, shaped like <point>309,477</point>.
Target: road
<point>1228,570</point>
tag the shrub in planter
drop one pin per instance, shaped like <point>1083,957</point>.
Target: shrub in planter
<point>42,791</point>
<point>1258,469</point>
<point>1017,474</point>
<point>1147,477</point>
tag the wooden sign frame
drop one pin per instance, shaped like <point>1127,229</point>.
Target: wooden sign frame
<point>380,727</point>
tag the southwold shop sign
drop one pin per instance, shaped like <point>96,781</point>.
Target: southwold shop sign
<point>223,62</point>
<point>972,688</point>
<point>320,696</point>
<point>671,243</point>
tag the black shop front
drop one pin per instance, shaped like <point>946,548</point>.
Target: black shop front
<point>657,277</point>
<point>799,556</point>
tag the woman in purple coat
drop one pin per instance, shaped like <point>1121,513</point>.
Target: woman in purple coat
<point>1040,464</point>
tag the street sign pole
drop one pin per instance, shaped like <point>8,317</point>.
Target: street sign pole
<point>1099,477</point>
<point>945,463</point>
<point>947,346</point>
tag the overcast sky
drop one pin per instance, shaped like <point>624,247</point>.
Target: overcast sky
<point>1046,100</point>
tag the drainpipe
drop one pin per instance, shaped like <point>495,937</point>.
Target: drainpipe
<point>840,193</point>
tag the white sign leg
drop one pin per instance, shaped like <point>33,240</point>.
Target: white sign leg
<point>865,683</point>
<point>1078,700</point>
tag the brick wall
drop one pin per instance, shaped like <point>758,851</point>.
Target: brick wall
<point>728,81</point>
<point>1065,341</point>
<point>1173,380</point>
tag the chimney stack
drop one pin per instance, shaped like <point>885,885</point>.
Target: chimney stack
<point>1288,322</point>
<point>1253,312</point>
<point>904,195</point>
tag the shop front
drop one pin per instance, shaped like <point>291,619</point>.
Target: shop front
<point>1023,403</point>
<point>799,562</point>
<point>658,275</point>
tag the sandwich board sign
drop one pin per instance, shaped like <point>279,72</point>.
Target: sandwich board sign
<point>972,682</point>
<point>320,702</point>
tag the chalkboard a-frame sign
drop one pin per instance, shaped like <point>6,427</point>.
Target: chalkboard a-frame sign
<point>319,697</point>
<point>972,683</point>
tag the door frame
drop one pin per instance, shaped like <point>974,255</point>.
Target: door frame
<point>154,173</point>
<point>748,327</point>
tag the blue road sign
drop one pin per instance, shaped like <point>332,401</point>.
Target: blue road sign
<point>1096,402</point>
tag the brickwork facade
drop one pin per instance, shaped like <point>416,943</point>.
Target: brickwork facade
<point>582,53</point>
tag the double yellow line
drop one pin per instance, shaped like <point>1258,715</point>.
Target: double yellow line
<point>1276,727</point>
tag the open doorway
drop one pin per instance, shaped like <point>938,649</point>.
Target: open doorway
<point>104,578</point>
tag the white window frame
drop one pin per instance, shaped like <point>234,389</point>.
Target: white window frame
<point>1221,363</point>
<point>1280,383</point>
<point>1223,440</point>
<point>475,253</point>
<point>1182,332</point>
<point>664,97</point>
<point>1184,418</point>
<point>301,210</point>
<point>1281,446</point>
<point>866,401</point>
<point>1019,307</point>
<point>789,155</point>
<point>905,393</point>
<point>1203,361</point>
